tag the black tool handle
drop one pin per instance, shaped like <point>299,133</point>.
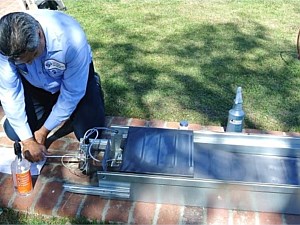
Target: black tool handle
<point>18,150</point>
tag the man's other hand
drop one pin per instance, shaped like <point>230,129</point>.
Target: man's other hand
<point>41,135</point>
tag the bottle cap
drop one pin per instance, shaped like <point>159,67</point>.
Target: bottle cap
<point>238,97</point>
<point>184,123</point>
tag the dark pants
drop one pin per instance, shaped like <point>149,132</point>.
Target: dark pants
<point>88,114</point>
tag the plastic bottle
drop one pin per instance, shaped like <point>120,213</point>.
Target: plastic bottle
<point>236,114</point>
<point>20,170</point>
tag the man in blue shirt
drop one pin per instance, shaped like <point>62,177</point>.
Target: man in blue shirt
<point>46,78</point>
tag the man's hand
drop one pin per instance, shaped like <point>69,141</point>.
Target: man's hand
<point>41,135</point>
<point>33,151</point>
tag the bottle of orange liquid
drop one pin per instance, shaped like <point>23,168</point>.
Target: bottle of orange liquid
<point>20,170</point>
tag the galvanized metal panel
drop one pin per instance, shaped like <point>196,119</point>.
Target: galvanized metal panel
<point>209,193</point>
<point>159,151</point>
<point>213,162</point>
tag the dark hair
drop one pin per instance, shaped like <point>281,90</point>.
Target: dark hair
<point>18,34</point>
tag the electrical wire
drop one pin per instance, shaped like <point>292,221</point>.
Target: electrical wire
<point>295,55</point>
<point>95,129</point>
<point>70,168</point>
<point>91,132</point>
<point>298,44</point>
<point>85,156</point>
<point>62,159</point>
<point>90,146</point>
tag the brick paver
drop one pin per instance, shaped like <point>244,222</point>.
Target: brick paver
<point>169,214</point>
<point>94,208</point>
<point>48,197</point>
<point>143,213</point>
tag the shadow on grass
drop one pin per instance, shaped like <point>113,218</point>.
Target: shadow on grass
<point>207,63</point>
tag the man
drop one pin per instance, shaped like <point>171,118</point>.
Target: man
<point>46,78</point>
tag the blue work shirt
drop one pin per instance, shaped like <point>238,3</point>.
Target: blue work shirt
<point>63,66</point>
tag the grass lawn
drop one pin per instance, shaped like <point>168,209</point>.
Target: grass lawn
<point>9,216</point>
<point>174,60</point>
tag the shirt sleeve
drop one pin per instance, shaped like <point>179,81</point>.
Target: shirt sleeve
<point>73,85</point>
<point>12,98</point>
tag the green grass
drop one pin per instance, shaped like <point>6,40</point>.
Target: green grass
<point>173,60</point>
<point>9,216</point>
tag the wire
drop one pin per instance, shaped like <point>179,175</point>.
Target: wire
<point>91,132</point>
<point>293,54</point>
<point>90,148</point>
<point>84,156</point>
<point>95,129</point>
<point>298,44</point>
<point>71,169</point>
<point>62,159</point>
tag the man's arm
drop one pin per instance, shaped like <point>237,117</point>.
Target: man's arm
<point>12,100</point>
<point>73,86</point>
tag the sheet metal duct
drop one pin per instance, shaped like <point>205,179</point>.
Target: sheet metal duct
<point>221,170</point>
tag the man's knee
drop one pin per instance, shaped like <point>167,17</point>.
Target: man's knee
<point>10,132</point>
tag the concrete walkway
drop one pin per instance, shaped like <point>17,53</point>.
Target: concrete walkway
<point>7,6</point>
<point>49,198</point>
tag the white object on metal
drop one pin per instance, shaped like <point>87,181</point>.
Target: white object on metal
<point>29,4</point>
<point>42,4</point>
